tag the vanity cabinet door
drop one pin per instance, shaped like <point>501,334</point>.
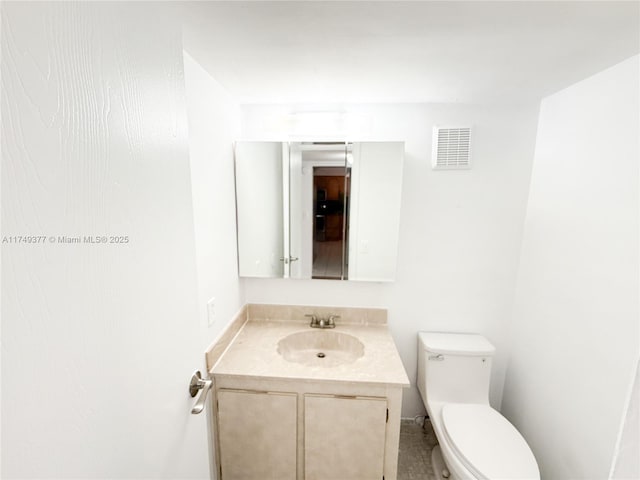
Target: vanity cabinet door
<point>257,435</point>
<point>344,437</point>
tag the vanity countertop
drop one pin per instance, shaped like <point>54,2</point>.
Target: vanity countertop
<point>254,353</point>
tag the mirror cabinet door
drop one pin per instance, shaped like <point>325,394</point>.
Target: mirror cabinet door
<point>374,216</point>
<point>327,210</point>
<point>260,208</point>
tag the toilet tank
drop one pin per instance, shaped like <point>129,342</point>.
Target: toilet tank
<point>454,367</point>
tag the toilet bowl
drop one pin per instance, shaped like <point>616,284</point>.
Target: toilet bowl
<point>476,441</point>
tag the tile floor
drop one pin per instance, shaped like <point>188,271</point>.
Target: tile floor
<point>327,261</point>
<point>414,456</point>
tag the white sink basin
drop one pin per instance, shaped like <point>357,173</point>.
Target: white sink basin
<point>324,348</point>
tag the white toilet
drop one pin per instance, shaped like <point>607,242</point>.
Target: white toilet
<point>476,442</point>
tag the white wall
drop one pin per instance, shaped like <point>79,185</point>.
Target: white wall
<point>460,231</point>
<point>99,341</point>
<point>214,124</point>
<point>626,462</point>
<point>575,317</point>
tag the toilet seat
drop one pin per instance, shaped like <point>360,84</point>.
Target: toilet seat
<point>487,444</point>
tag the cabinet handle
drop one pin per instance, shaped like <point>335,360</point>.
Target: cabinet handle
<point>290,259</point>
<point>202,384</point>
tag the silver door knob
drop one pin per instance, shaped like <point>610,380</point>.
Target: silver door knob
<point>203,385</point>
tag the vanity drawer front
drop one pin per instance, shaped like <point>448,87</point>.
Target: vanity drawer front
<point>257,434</point>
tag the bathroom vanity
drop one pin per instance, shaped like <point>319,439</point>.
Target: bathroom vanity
<point>295,402</point>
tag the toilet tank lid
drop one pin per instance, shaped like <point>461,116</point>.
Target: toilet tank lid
<point>455,343</point>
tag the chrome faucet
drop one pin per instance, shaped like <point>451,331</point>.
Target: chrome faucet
<point>318,322</point>
<point>331,321</point>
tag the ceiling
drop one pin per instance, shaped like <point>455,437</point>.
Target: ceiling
<point>420,51</point>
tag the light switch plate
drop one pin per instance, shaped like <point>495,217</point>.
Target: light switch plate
<point>211,311</point>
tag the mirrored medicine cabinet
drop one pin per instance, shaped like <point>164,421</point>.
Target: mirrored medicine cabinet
<point>318,210</point>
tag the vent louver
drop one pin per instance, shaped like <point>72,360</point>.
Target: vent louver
<point>451,148</point>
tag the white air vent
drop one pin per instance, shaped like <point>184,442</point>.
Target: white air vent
<point>451,148</point>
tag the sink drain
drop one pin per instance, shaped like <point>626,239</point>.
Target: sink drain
<point>320,355</point>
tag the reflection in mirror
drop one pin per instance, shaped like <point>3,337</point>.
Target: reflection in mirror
<point>321,212</point>
<point>318,210</point>
<point>330,200</point>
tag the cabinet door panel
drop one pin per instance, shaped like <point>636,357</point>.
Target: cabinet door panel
<point>344,437</point>
<point>257,435</point>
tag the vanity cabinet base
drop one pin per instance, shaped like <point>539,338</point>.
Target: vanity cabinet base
<point>288,429</point>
